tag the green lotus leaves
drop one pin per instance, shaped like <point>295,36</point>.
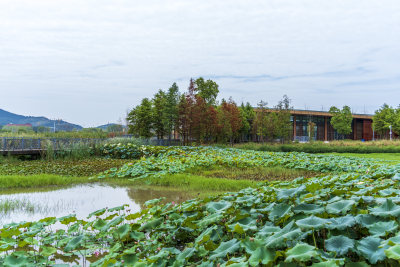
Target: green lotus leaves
<point>268,230</point>
<point>186,254</point>
<point>288,233</point>
<point>258,251</point>
<point>74,243</point>
<point>369,248</point>
<point>301,253</point>
<point>278,211</point>
<point>123,231</point>
<point>344,218</point>
<point>151,224</point>
<point>312,223</point>
<point>290,193</point>
<point>216,207</point>
<point>308,209</point>
<point>393,252</point>
<point>339,244</point>
<point>341,223</point>
<point>367,220</point>
<point>340,207</point>
<point>15,261</point>
<point>357,264</point>
<point>225,248</point>
<point>329,263</point>
<point>245,224</point>
<point>387,209</point>
<point>261,255</point>
<point>210,219</point>
<point>383,228</point>
<point>205,235</point>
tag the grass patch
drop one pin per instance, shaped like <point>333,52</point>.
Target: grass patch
<point>346,146</point>
<point>64,167</point>
<point>42,180</point>
<point>197,183</point>
<point>255,173</point>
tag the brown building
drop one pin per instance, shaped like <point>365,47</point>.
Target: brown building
<point>323,130</point>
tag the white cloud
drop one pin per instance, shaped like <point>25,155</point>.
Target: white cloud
<point>88,61</point>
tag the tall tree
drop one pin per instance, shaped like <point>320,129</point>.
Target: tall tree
<point>160,114</point>
<point>383,118</point>
<point>230,120</point>
<point>208,90</point>
<point>185,113</point>
<point>260,120</point>
<point>140,119</point>
<point>283,123</point>
<point>172,109</point>
<point>341,119</point>
<point>247,116</point>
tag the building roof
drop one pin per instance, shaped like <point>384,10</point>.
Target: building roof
<point>322,113</point>
<point>327,114</point>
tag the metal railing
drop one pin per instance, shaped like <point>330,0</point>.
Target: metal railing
<point>25,144</point>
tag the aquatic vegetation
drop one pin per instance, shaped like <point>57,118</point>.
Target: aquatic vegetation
<point>123,150</point>
<point>347,217</point>
<point>173,160</point>
<point>84,167</point>
<point>10,205</point>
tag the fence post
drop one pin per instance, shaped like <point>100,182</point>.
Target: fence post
<point>39,144</point>
<point>22,144</point>
<point>4,143</point>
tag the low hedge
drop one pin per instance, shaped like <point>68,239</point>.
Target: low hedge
<point>323,148</point>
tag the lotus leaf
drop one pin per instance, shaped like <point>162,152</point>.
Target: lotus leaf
<point>341,223</point>
<point>302,252</point>
<point>290,193</point>
<point>312,223</point>
<point>225,248</point>
<point>308,209</point>
<point>278,211</point>
<point>383,228</point>
<point>369,247</point>
<point>218,206</point>
<point>340,207</point>
<point>393,252</point>
<point>387,209</point>
<point>74,243</point>
<point>339,244</point>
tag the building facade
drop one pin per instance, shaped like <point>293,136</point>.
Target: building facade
<point>322,128</point>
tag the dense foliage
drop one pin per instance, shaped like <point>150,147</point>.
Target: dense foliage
<point>385,117</point>
<point>346,218</point>
<point>320,147</point>
<point>83,167</point>
<point>341,119</point>
<point>178,159</point>
<point>197,116</point>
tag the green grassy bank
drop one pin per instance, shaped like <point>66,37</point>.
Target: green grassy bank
<point>331,147</point>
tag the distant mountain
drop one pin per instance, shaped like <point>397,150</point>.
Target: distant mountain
<point>8,117</point>
<point>105,126</point>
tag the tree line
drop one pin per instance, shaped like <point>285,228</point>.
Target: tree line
<point>196,116</point>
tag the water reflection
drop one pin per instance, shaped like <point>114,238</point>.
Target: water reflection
<point>81,200</point>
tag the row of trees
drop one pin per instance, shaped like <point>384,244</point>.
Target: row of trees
<point>196,115</point>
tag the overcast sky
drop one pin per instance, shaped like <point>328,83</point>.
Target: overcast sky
<point>89,61</point>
